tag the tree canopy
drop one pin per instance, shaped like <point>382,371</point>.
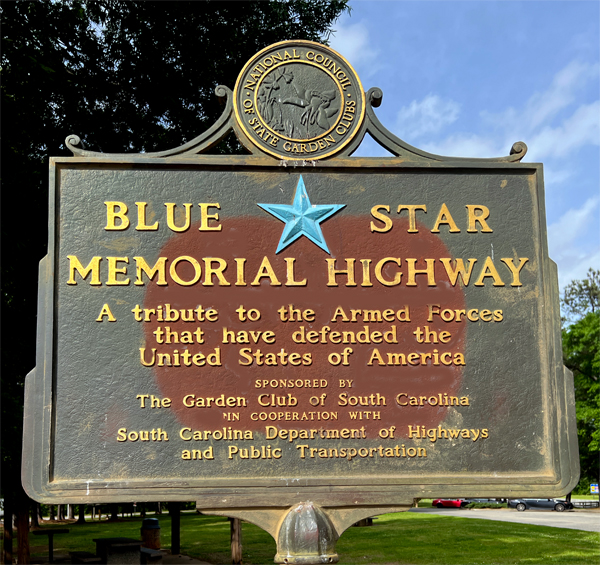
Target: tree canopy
<point>582,296</point>
<point>135,75</point>
<point>581,353</point>
<point>126,76</point>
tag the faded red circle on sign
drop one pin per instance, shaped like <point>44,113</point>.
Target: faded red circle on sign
<point>374,387</point>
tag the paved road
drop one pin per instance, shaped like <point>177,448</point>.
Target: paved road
<point>588,520</point>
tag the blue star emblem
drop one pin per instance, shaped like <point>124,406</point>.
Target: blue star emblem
<point>302,218</point>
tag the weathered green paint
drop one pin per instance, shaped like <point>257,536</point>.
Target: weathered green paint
<point>97,363</point>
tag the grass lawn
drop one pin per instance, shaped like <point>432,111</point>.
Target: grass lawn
<point>404,538</point>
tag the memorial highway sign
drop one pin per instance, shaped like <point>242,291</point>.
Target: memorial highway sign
<point>297,324</point>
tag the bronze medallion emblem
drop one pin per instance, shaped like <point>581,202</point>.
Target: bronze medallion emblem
<point>299,100</point>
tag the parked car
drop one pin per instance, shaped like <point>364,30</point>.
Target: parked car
<point>522,504</point>
<point>449,503</point>
<point>487,501</point>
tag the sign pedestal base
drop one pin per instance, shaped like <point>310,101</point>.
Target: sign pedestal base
<point>306,533</point>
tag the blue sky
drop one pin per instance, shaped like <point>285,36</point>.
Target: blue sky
<point>469,78</point>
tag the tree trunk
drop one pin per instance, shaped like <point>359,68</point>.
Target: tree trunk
<point>236,540</point>
<point>81,519</point>
<point>175,528</point>
<point>71,511</point>
<point>35,515</point>
<point>52,512</point>
<point>114,512</point>
<point>8,530</point>
<point>23,530</point>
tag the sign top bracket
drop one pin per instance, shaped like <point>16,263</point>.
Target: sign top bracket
<point>299,101</point>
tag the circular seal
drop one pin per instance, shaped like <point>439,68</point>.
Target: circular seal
<point>299,100</point>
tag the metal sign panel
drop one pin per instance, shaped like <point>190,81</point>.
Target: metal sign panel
<point>256,331</point>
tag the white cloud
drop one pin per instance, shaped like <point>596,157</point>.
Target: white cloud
<point>543,107</point>
<point>542,122</point>
<point>581,128</point>
<point>546,121</point>
<point>574,241</point>
<point>352,41</point>
<point>558,176</point>
<point>427,117</point>
<point>577,268</point>
<point>570,226</point>
<point>466,145</point>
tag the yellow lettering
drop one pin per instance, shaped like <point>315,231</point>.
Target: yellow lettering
<point>478,214</point>
<point>106,312</point>
<point>93,267</point>
<point>515,270</point>
<point>205,217</point>
<point>142,267</point>
<point>412,220</point>
<point>141,225</point>
<point>489,270</point>
<point>379,271</point>
<point>171,217</point>
<point>444,217</point>
<point>116,210</point>
<point>265,270</point>
<point>113,271</point>
<point>458,269</point>
<point>387,222</point>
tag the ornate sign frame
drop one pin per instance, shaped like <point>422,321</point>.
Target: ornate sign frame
<point>306,214</point>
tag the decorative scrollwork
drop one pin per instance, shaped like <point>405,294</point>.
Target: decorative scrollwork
<point>375,97</point>
<point>226,123</point>
<point>200,144</point>
<point>222,91</point>
<point>519,149</point>
<point>403,150</point>
<point>72,141</point>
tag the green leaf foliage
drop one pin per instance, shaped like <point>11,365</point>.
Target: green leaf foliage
<point>581,297</point>
<point>581,353</point>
